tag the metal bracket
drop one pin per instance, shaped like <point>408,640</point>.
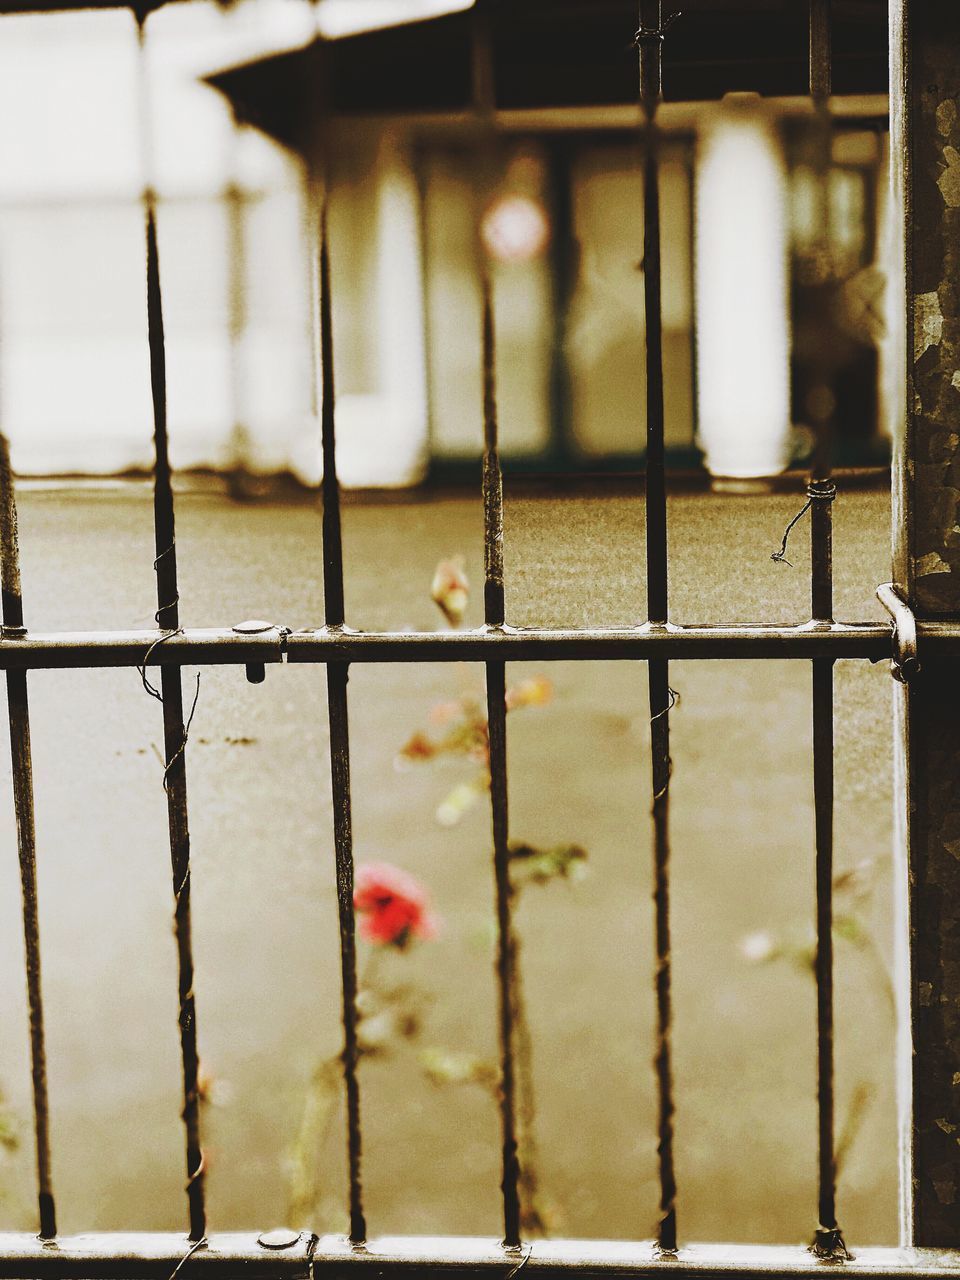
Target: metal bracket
<point>905,662</point>
<point>256,671</point>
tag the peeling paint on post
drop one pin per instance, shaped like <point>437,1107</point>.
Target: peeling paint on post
<point>925,153</point>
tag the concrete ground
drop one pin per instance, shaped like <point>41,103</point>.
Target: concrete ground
<point>267,982</point>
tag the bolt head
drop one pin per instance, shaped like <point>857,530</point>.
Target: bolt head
<point>278,1238</point>
<point>252,627</point>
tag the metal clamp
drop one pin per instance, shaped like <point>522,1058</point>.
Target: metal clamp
<point>256,671</point>
<point>905,661</point>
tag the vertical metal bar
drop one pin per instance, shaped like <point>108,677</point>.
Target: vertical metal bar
<point>650,44</point>
<point>493,592</point>
<point>22,769</point>
<point>925,133</point>
<point>821,489</point>
<point>493,598</point>
<point>828,1239</point>
<point>820,61</point>
<point>337,676</point>
<point>171,690</point>
<point>660,702</point>
<point>337,673</point>
<point>484,102</point>
<point>332,534</point>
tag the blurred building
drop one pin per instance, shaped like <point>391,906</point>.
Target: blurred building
<point>561,222</point>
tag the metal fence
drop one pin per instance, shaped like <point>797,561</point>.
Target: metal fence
<point>821,641</point>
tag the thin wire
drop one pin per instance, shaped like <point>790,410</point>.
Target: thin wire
<point>197,1244</point>
<point>152,690</point>
<point>176,756</point>
<point>515,1271</point>
<point>674,699</point>
<point>825,490</point>
<point>646,35</point>
<point>780,557</point>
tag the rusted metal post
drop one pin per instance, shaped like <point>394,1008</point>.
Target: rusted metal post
<point>484,108</point>
<point>170,694</point>
<point>925,154</point>
<point>649,40</point>
<point>316,150</point>
<point>22,769</point>
<point>493,595</point>
<point>828,1239</point>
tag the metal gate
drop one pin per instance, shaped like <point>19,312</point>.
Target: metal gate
<point>925,610</point>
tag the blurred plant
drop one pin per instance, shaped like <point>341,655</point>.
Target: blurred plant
<point>450,590</point>
<point>854,894</point>
<point>9,1139</point>
<point>394,913</point>
<point>9,1129</point>
<point>212,1089</point>
<point>458,729</point>
<point>463,733</point>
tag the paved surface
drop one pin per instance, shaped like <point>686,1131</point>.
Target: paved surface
<point>265,934</point>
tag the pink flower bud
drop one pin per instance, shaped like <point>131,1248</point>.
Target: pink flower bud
<point>451,590</point>
<point>393,906</point>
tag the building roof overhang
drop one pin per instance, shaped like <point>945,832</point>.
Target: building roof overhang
<point>554,54</point>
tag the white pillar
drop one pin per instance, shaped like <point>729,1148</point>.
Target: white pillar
<point>743,327</point>
<point>382,429</point>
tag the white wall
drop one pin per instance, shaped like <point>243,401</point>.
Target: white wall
<point>74,381</point>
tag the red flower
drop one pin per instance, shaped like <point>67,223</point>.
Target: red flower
<point>393,907</point>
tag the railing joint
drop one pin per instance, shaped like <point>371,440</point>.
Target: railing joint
<point>905,661</point>
<point>257,671</point>
<point>829,1247</point>
<point>820,624</point>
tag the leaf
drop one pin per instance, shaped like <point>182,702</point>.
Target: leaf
<point>849,928</point>
<point>9,1131</point>
<point>539,866</point>
<point>460,800</point>
<point>449,1066</point>
<point>416,750</point>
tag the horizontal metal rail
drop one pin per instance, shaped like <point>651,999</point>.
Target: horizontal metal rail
<point>303,1255</point>
<point>284,1255</point>
<point>222,647</point>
